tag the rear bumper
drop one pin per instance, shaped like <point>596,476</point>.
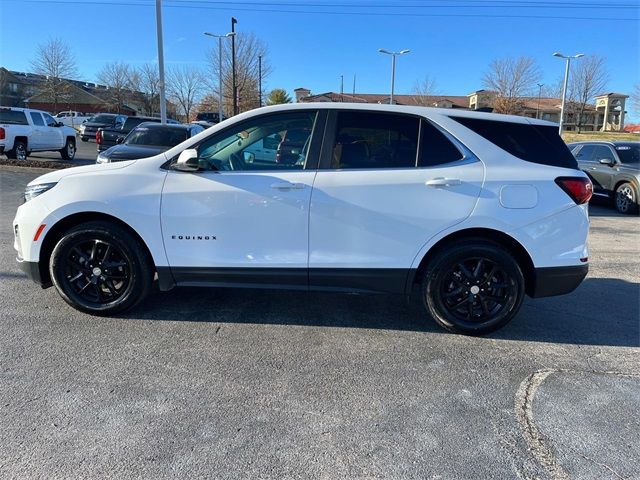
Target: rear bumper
<point>551,281</point>
<point>32,270</point>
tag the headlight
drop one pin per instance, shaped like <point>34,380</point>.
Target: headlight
<point>102,159</point>
<point>32,191</point>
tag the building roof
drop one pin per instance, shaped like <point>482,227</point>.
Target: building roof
<point>457,101</point>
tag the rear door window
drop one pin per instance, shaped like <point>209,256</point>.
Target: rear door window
<point>37,119</point>
<point>375,140</point>
<point>435,147</point>
<point>585,154</point>
<point>530,142</point>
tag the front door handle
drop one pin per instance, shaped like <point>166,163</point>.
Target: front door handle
<point>443,182</point>
<point>287,186</point>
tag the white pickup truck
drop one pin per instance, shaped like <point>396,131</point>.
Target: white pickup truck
<point>24,130</point>
<point>72,118</point>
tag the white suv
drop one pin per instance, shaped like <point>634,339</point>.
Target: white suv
<point>477,209</point>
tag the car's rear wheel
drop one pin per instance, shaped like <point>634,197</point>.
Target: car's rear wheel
<point>69,150</point>
<point>473,287</point>
<point>626,198</point>
<point>19,151</point>
<point>100,268</point>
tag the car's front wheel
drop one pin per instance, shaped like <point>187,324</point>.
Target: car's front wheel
<point>473,287</point>
<point>100,268</point>
<point>69,150</point>
<point>626,198</point>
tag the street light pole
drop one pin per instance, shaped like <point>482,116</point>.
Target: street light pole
<point>260,80</point>
<point>163,101</point>
<point>393,67</point>
<point>540,85</point>
<point>564,86</point>
<point>219,37</point>
<point>233,65</point>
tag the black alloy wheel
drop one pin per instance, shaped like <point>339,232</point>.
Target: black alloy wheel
<point>100,268</point>
<point>626,199</point>
<point>473,288</point>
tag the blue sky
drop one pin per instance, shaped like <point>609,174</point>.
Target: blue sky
<point>314,49</point>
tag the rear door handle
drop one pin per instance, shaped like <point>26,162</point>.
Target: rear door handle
<point>443,182</point>
<point>287,186</point>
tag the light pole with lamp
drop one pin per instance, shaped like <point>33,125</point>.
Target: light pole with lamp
<point>393,67</point>
<point>219,37</point>
<point>540,85</point>
<point>564,86</point>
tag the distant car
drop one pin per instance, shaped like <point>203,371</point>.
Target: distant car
<point>89,128</point>
<point>614,169</point>
<point>148,139</point>
<point>208,119</point>
<point>72,118</point>
<point>24,130</point>
<point>109,136</point>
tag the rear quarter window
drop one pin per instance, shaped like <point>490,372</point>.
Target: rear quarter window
<point>533,143</point>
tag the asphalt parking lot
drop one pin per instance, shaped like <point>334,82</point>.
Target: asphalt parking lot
<point>86,153</point>
<point>214,383</point>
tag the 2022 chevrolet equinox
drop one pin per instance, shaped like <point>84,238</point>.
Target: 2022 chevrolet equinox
<point>478,209</point>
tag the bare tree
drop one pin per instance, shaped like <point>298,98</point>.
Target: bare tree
<point>248,50</point>
<point>424,91</point>
<point>589,77</point>
<point>185,86</point>
<point>55,61</point>
<point>148,77</point>
<point>512,79</point>
<point>635,98</point>
<point>119,79</point>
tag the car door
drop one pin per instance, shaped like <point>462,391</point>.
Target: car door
<point>37,139</point>
<point>586,162</point>
<point>387,183</point>
<point>604,173</point>
<point>239,221</point>
<point>53,135</point>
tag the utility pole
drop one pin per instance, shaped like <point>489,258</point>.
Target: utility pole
<point>163,100</point>
<point>540,85</point>
<point>342,88</point>
<point>260,80</point>
<point>233,65</point>
<point>354,85</point>
<point>564,86</point>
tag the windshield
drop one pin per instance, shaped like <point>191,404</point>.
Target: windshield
<point>629,154</point>
<point>159,137</point>
<point>102,119</point>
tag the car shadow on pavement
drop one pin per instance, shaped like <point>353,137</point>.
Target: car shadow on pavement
<point>602,311</point>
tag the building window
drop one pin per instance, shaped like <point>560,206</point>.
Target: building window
<point>13,87</point>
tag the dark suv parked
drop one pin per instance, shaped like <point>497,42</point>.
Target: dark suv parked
<point>100,120</point>
<point>614,169</point>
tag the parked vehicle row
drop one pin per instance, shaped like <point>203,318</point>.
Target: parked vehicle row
<point>72,118</point>
<point>148,139</point>
<point>476,209</point>
<point>614,170</point>
<point>109,136</point>
<point>25,130</point>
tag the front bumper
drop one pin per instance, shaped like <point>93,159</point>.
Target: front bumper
<point>551,281</point>
<point>32,270</point>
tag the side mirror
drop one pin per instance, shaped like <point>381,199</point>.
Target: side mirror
<point>119,140</point>
<point>249,157</point>
<point>187,161</point>
<point>607,161</point>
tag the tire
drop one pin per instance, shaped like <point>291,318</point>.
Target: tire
<point>473,287</point>
<point>69,150</point>
<point>626,198</point>
<point>19,151</point>
<point>100,268</point>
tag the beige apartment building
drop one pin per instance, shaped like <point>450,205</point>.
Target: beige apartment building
<point>607,114</point>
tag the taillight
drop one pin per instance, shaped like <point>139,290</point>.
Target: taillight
<point>2,134</point>
<point>579,189</point>
<point>98,137</point>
